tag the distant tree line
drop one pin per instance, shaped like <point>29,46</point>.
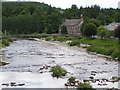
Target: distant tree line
<point>34,17</point>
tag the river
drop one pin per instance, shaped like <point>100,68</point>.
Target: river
<point>27,59</point>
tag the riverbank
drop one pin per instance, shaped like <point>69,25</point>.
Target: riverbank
<point>3,43</point>
<point>105,48</point>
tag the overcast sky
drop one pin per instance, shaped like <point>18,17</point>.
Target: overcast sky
<point>67,3</point>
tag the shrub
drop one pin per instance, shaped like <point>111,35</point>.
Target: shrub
<point>83,85</point>
<point>5,42</point>
<point>58,71</point>
<point>74,42</point>
<point>116,54</point>
<point>9,40</point>
<point>62,39</point>
<point>48,38</point>
<point>71,79</point>
<point>89,29</point>
<point>2,63</point>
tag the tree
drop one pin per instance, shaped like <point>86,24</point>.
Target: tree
<point>94,21</point>
<point>89,29</point>
<point>101,17</point>
<point>64,30</point>
<point>117,17</point>
<point>102,32</point>
<point>117,32</point>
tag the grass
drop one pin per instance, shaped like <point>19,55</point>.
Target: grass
<point>71,79</point>
<point>74,43</point>
<point>60,38</point>
<point>48,38</point>
<point>63,38</point>
<point>5,42</point>
<point>2,63</point>
<point>105,47</point>
<point>84,85</point>
<point>58,71</point>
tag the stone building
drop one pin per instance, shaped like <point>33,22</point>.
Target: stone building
<point>73,26</point>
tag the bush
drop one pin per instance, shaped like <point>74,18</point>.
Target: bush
<point>62,39</point>
<point>5,42</point>
<point>74,42</point>
<point>9,40</point>
<point>71,79</point>
<point>48,38</point>
<point>58,71</point>
<point>3,63</point>
<point>116,54</point>
<point>83,85</point>
<point>89,29</point>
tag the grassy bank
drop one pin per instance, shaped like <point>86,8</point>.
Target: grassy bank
<point>105,47</point>
<point>5,42</point>
<point>55,38</point>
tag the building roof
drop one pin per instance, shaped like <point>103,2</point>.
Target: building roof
<point>71,22</point>
<point>112,26</point>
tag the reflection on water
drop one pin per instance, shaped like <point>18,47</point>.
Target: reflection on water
<point>26,59</point>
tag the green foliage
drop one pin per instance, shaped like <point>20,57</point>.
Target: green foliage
<point>102,32</point>
<point>48,38</point>
<point>74,42</point>
<point>71,79</point>
<point>62,39</point>
<point>116,54</point>
<point>30,17</point>
<point>101,17</point>
<point>58,71</point>
<point>89,29</point>
<point>5,42</point>
<point>3,63</point>
<point>64,30</point>
<point>84,85</point>
<point>94,21</point>
<point>9,40</point>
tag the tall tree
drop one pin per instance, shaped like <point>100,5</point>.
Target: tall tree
<point>89,29</point>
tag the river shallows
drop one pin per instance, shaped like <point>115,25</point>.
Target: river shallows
<point>27,57</point>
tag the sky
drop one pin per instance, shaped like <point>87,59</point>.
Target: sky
<point>68,3</point>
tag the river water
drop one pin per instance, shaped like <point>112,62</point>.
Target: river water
<point>30,63</point>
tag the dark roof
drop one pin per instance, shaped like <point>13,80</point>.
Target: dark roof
<point>71,22</point>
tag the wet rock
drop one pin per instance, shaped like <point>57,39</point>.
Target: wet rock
<point>61,54</point>
<point>20,84</point>
<point>104,84</point>
<point>6,84</point>
<point>12,83</point>
<point>66,84</point>
<point>93,74</point>
<point>104,79</point>
<point>41,72</point>
<point>93,81</point>
<point>85,80</point>
<point>91,77</point>
<point>99,84</point>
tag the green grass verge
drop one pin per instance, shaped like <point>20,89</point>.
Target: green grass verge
<point>105,47</point>
<point>5,42</point>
